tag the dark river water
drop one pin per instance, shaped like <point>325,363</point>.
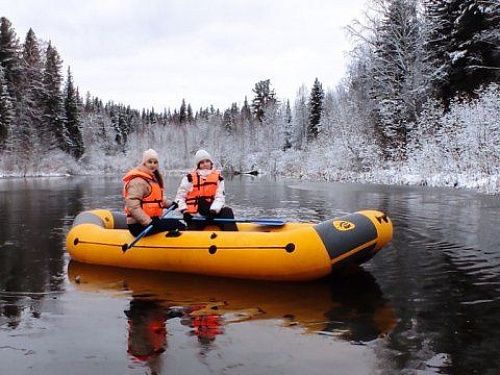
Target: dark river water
<point>428,303</point>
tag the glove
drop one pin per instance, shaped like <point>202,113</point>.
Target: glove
<point>173,205</point>
<point>211,214</point>
<point>155,222</point>
<point>173,224</point>
<point>187,216</point>
<point>163,225</point>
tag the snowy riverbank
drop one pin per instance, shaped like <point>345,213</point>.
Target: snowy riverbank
<point>312,166</point>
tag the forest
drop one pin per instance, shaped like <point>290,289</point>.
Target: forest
<point>419,104</point>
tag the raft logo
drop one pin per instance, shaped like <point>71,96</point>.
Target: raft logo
<point>343,225</point>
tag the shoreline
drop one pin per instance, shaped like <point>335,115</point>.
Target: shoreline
<point>481,184</point>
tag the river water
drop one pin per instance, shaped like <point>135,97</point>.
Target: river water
<point>428,303</point>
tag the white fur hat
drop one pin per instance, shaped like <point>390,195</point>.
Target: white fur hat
<point>201,155</point>
<point>149,154</point>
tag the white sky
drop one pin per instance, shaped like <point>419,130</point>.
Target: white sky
<point>154,53</point>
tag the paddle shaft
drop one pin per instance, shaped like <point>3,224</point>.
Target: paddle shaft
<point>256,221</point>
<point>147,229</point>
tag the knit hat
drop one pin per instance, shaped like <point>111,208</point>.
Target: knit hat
<point>201,155</point>
<point>149,154</point>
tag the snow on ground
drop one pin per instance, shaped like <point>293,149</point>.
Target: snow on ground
<point>281,164</point>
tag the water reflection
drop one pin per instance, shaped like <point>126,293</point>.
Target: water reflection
<point>147,333</point>
<point>350,307</point>
<point>441,273</point>
<point>32,266</point>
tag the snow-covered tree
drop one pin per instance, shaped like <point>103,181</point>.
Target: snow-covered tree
<point>6,109</point>
<point>190,118</point>
<point>301,116</point>
<point>10,56</point>
<point>288,131</point>
<point>227,121</point>
<point>53,116</point>
<point>315,109</point>
<point>30,102</point>
<point>246,112</point>
<point>392,64</point>
<point>462,45</point>
<point>265,97</point>
<point>72,119</point>
<point>183,112</point>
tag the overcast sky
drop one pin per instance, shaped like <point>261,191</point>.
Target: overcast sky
<point>154,53</point>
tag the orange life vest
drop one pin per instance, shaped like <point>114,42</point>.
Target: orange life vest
<point>151,204</point>
<point>203,189</point>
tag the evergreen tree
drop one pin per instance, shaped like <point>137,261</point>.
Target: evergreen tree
<point>113,117</point>
<point>440,15</point>
<point>31,89</point>
<point>190,118</point>
<point>265,97</point>
<point>89,103</point>
<point>6,109</point>
<point>183,112</point>
<point>121,127</point>
<point>315,109</point>
<point>301,117</point>
<point>288,126</point>
<point>246,112</point>
<point>475,54</point>
<point>9,56</point>
<point>153,118</point>
<point>396,75</point>
<point>462,45</point>
<point>72,119</point>
<point>53,114</point>
<point>227,122</point>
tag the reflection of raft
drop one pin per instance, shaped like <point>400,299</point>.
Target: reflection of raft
<point>351,306</point>
<point>294,251</point>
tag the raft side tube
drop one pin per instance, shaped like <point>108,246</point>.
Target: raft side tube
<point>102,218</point>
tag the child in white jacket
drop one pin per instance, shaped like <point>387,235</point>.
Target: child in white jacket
<point>202,192</point>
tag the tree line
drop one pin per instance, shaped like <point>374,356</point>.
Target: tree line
<point>414,61</point>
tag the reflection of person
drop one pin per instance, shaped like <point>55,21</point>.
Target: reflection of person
<point>147,334</point>
<point>144,201</point>
<point>202,192</point>
<point>206,326</point>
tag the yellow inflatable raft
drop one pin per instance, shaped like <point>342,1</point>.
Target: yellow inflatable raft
<point>294,251</point>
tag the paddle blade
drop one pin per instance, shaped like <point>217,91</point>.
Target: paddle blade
<point>271,223</point>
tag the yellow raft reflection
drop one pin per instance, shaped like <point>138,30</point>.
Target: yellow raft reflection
<point>351,306</point>
<point>292,252</point>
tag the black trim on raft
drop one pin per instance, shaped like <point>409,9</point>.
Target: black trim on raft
<point>338,242</point>
<point>289,247</point>
<point>88,218</point>
<point>119,220</point>
<point>360,256</point>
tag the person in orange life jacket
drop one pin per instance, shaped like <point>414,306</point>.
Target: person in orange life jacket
<point>202,192</point>
<point>144,200</point>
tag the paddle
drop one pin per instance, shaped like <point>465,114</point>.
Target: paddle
<point>146,230</point>
<point>265,222</point>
